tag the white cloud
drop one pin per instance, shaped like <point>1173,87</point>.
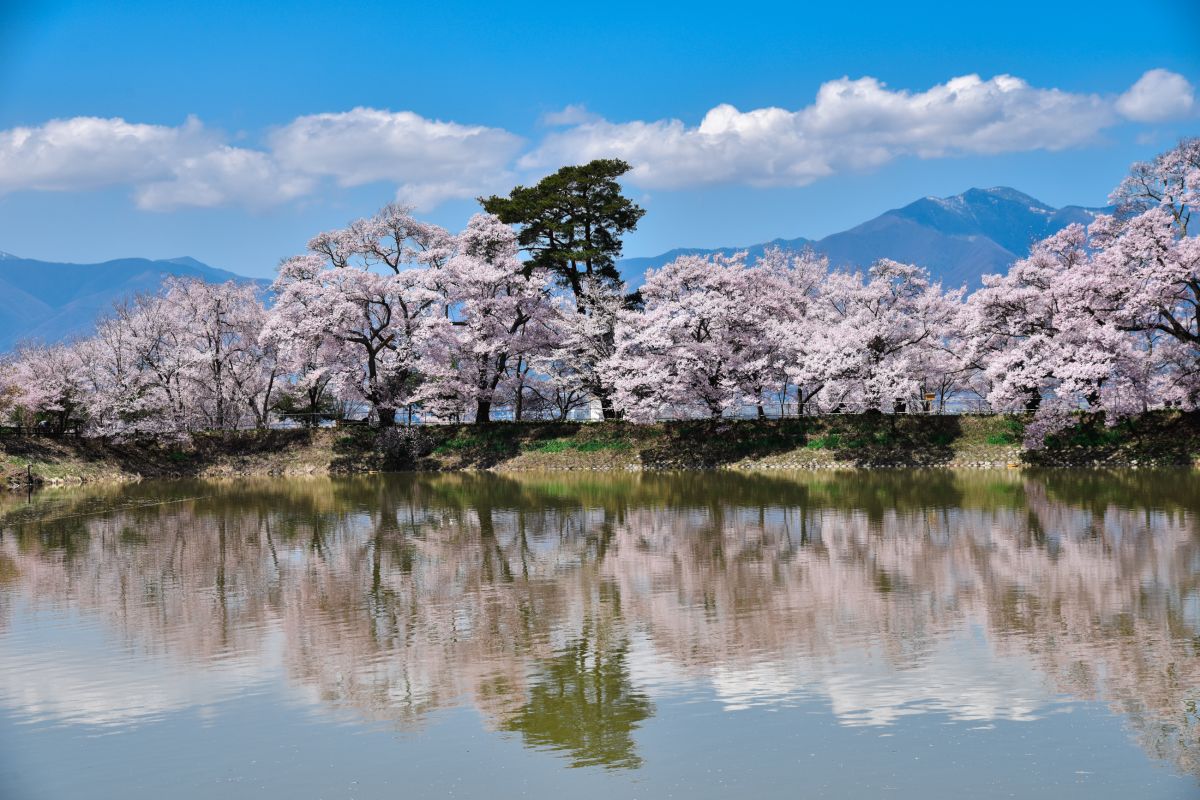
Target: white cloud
<point>167,166</point>
<point>222,176</point>
<point>852,124</point>
<point>428,159</point>
<point>573,114</point>
<point>1158,96</point>
<point>189,165</point>
<point>89,153</point>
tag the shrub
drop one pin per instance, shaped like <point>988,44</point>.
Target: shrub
<point>403,445</point>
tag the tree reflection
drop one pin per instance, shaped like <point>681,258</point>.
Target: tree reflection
<point>583,702</point>
<point>395,596</point>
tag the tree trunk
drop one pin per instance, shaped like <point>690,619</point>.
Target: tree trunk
<point>483,412</point>
<point>387,416</point>
<point>606,408</point>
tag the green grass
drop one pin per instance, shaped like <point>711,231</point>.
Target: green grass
<point>483,441</point>
<point>1086,437</point>
<point>1011,433</point>
<point>597,445</point>
<point>563,445</point>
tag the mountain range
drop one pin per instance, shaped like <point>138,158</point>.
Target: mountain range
<point>48,301</point>
<point>959,239</point>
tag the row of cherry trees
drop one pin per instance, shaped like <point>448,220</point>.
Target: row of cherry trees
<point>189,358</point>
<point>398,314</point>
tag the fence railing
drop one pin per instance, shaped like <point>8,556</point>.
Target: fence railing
<point>418,417</point>
<point>71,432</point>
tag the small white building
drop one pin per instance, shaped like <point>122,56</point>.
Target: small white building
<point>590,412</point>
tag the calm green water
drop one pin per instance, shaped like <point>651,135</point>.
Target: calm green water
<point>907,634</point>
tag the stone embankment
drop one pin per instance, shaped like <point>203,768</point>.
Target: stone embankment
<point>828,443</point>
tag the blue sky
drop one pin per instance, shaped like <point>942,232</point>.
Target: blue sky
<point>234,131</point>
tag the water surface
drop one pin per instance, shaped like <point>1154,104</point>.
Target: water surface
<point>898,634</point>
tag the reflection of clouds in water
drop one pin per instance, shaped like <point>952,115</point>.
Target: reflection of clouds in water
<point>395,597</point>
<point>113,686</point>
<point>961,677</point>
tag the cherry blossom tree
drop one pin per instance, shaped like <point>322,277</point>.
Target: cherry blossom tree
<point>188,358</point>
<point>122,397</point>
<point>365,295</point>
<point>231,371</point>
<point>877,333</point>
<point>1103,319</point>
<point>158,356</point>
<point>697,341</point>
<point>497,315</point>
<point>785,290</point>
<point>577,365</point>
<point>1150,262</point>
<point>1049,337</point>
<point>51,389</point>
<point>9,390</point>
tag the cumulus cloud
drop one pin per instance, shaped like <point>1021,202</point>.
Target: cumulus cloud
<point>852,124</point>
<point>1158,96</point>
<point>429,160</point>
<point>573,114</point>
<point>222,176</point>
<point>188,165</point>
<point>89,153</point>
<point>167,166</point>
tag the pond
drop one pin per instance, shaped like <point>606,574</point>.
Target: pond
<point>908,634</point>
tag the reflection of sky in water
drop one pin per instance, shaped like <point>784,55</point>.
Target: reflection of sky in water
<point>63,666</point>
<point>594,619</point>
<point>961,678</point>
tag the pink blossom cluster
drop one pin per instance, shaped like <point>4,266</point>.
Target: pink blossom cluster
<point>396,314</point>
<point>189,358</point>
<point>1104,318</point>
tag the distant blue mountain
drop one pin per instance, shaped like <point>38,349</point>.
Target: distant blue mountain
<point>632,269</point>
<point>959,239</point>
<point>49,301</point>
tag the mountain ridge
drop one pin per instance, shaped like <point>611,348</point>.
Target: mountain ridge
<point>52,301</point>
<point>958,238</point>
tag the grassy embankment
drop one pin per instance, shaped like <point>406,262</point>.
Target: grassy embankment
<point>851,441</point>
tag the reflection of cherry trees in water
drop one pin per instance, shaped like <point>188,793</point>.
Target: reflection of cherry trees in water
<point>527,597</point>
